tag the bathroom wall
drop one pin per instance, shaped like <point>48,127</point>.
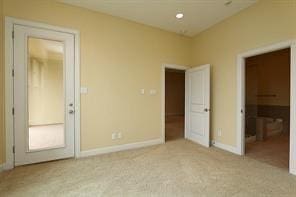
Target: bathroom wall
<point>268,87</point>
<point>174,92</point>
<point>251,98</point>
<point>268,78</point>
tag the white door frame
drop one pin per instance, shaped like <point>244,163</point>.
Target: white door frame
<point>164,66</point>
<point>9,122</point>
<point>241,97</point>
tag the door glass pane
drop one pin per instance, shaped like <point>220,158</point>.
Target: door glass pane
<point>45,94</point>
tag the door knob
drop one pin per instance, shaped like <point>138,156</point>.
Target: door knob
<point>206,110</point>
<point>71,111</point>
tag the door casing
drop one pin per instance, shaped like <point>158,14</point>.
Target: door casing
<point>240,124</point>
<point>9,118</point>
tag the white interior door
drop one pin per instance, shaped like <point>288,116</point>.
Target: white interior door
<point>198,105</point>
<point>43,95</point>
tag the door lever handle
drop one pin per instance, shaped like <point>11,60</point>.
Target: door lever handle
<point>71,111</point>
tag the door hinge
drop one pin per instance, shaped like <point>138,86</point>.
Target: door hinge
<point>13,111</point>
<point>13,149</point>
<point>12,34</point>
<point>242,111</point>
<point>12,72</point>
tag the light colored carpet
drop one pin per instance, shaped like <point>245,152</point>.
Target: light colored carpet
<point>174,127</point>
<point>274,150</point>
<point>177,168</point>
<point>47,136</point>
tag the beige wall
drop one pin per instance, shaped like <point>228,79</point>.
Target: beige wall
<point>174,92</point>
<point>267,22</point>
<point>268,74</point>
<point>251,84</point>
<point>118,58</point>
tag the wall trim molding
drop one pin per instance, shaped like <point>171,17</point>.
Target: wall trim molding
<point>226,147</point>
<point>117,148</point>
<point>293,171</point>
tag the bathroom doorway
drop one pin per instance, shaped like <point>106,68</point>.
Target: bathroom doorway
<point>267,107</point>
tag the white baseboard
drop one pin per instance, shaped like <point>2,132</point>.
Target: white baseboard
<point>226,147</point>
<point>293,171</point>
<point>110,149</point>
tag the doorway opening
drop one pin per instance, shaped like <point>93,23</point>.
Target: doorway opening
<point>174,104</point>
<point>192,119</point>
<point>267,107</point>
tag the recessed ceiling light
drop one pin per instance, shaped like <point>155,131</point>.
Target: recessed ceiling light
<point>179,15</point>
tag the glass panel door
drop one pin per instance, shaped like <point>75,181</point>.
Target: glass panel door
<point>45,94</point>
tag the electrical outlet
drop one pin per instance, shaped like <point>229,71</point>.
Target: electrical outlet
<point>219,132</point>
<point>119,135</point>
<point>83,90</point>
<point>114,136</point>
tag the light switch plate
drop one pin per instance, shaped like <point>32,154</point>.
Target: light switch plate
<point>153,92</point>
<point>119,135</point>
<point>142,91</point>
<point>83,90</point>
<point>114,136</point>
